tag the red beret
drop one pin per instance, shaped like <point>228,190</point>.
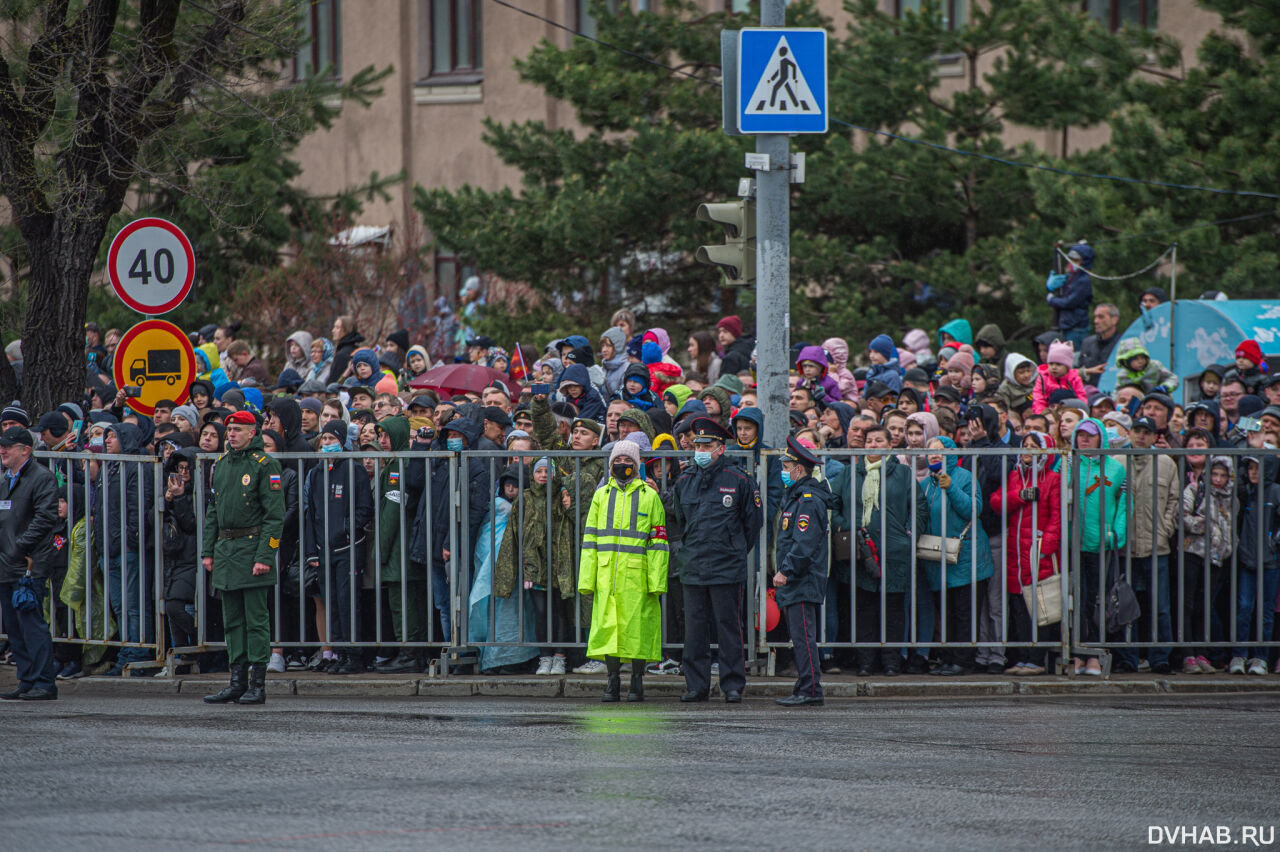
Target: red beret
<point>243,417</point>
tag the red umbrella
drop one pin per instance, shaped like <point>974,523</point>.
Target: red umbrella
<point>463,378</point>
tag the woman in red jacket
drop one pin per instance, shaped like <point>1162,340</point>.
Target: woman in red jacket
<point>1032,499</point>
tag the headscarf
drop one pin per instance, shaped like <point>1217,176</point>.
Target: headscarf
<point>928,422</point>
<point>1035,470</point>
<point>317,370</point>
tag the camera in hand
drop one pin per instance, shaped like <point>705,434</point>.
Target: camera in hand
<point>132,390</point>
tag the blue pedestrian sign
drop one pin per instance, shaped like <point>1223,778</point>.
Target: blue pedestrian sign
<point>782,80</point>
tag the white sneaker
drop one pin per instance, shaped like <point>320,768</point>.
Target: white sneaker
<point>591,667</point>
<point>1236,666</point>
<point>557,665</point>
<point>1257,666</point>
<point>164,672</point>
<point>544,666</point>
<point>277,663</point>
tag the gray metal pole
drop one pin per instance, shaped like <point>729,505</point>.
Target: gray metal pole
<point>773,273</point>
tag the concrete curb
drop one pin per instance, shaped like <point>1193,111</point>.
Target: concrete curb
<point>588,688</point>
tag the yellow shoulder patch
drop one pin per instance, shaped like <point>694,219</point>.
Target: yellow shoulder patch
<point>273,543</point>
<point>261,458</point>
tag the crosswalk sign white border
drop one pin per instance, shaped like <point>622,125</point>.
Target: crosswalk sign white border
<point>757,49</point>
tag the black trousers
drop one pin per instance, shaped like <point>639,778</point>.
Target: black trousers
<point>802,622</point>
<point>29,640</point>
<point>704,606</point>
<point>561,620</point>
<point>867,610</point>
<point>1020,631</point>
<point>960,622</point>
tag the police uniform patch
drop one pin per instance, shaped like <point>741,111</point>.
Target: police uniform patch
<point>786,520</point>
<point>273,543</point>
<point>274,480</point>
<point>757,499</point>
<point>244,480</point>
<point>802,523</point>
<point>727,500</point>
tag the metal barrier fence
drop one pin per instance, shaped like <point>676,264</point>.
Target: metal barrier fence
<point>435,593</point>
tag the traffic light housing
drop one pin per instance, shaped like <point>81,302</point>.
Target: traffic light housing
<point>737,257</point>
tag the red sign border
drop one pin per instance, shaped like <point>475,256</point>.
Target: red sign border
<point>114,251</point>
<point>117,365</point>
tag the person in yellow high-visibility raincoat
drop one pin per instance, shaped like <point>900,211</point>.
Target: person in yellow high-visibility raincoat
<point>624,564</point>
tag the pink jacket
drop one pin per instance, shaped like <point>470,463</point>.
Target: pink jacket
<point>1046,384</point>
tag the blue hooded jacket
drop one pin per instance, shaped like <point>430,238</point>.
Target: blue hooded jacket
<point>958,509</point>
<point>1071,301</point>
<point>590,403</point>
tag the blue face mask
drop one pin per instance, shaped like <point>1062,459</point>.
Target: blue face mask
<point>331,448</point>
<point>702,458</point>
<point>454,444</point>
<point>935,466</point>
<point>786,479</point>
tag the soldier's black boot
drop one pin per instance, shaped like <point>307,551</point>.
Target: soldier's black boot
<point>239,684</point>
<point>636,692</point>
<point>613,688</point>
<point>257,691</point>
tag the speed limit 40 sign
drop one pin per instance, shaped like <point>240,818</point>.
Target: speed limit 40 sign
<point>151,265</point>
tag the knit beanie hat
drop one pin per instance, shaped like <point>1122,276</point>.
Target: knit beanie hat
<point>1251,350</point>
<point>961,361</point>
<point>630,449</point>
<point>731,324</point>
<point>338,429</point>
<point>15,411</point>
<point>1061,353</point>
<point>883,344</point>
<point>916,340</point>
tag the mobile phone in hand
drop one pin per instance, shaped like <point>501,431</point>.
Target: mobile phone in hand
<point>132,390</point>
<point>540,389</point>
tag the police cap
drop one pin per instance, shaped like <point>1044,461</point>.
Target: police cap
<point>707,429</point>
<point>797,452</point>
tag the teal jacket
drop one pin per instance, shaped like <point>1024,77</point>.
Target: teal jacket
<point>1102,494</point>
<point>958,509</point>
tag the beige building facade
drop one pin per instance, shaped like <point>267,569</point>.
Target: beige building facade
<point>452,66</point>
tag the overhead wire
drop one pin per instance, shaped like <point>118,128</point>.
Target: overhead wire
<point>1244,193</point>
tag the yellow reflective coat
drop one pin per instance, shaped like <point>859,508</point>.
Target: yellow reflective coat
<point>624,564</point>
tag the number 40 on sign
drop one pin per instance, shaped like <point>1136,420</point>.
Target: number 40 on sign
<point>151,265</point>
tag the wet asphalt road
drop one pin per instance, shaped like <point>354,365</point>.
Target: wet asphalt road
<point>168,772</point>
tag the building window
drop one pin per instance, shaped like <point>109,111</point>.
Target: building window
<point>954,15</point>
<point>451,272</point>
<point>1116,14</point>
<point>322,24</point>
<point>456,37</point>
<point>587,21</point>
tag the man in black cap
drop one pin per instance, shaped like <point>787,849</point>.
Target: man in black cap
<point>478,349</point>
<point>801,579</point>
<point>878,396</point>
<point>495,426</point>
<point>28,522</point>
<point>1159,408</point>
<point>719,509</point>
<point>55,433</point>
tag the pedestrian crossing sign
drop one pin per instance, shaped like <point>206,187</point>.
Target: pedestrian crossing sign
<point>782,80</point>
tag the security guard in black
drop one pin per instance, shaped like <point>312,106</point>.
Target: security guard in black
<point>719,509</point>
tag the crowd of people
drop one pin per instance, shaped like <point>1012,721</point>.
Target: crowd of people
<point>1195,533</point>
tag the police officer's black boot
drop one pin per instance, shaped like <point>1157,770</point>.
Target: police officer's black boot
<point>636,692</point>
<point>257,691</point>
<point>239,684</point>
<point>613,689</point>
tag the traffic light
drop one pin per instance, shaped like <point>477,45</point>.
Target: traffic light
<point>737,257</point>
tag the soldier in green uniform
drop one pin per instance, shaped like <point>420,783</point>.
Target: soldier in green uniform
<point>242,529</point>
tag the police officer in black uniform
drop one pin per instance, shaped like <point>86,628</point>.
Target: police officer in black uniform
<point>801,579</point>
<point>719,509</point>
